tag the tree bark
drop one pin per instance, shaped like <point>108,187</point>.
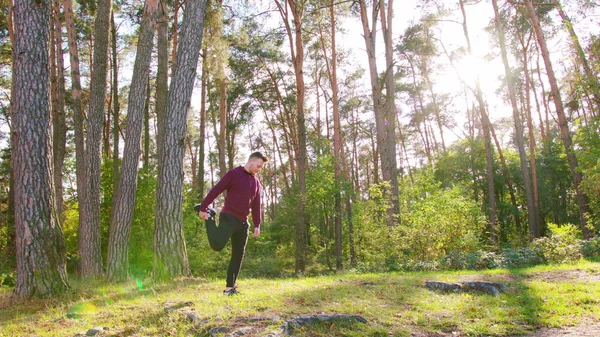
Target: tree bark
<point>146,156</point>
<point>169,243</point>
<point>389,162</point>
<point>40,245</point>
<point>116,109</point>
<point>383,107</point>
<point>162,73</point>
<point>78,117</point>
<point>222,125</point>
<point>338,142</point>
<point>563,123</point>
<point>89,233</point>
<point>117,266</point>
<point>201,153</point>
<point>297,53</point>
<point>59,125</point>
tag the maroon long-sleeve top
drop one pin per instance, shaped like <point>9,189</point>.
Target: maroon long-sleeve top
<point>243,194</point>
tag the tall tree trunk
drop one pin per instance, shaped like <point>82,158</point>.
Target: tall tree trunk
<point>389,163</point>
<point>297,52</point>
<point>78,118</point>
<point>485,122</point>
<point>146,160</point>
<point>89,233</point>
<point>222,125</point>
<point>59,125</point>
<point>338,142</point>
<point>116,109</point>
<point>382,107</point>
<point>117,265</point>
<point>176,7</point>
<point>534,226</point>
<point>298,61</point>
<point>41,253</point>
<point>169,243</point>
<point>11,234</point>
<point>563,123</point>
<point>532,145</point>
<point>201,154</point>
<point>162,72</point>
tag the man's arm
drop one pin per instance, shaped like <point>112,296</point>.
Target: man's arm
<point>214,192</point>
<point>256,213</point>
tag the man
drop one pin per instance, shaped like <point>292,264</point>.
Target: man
<point>243,193</point>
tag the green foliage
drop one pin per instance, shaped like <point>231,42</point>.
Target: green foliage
<point>588,154</point>
<point>519,258</point>
<point>141,250</point>
<point>70,230</point>
<point>7,279</point>
<point>555,183</point>
<point>375,247</point>
<point>591,248</point>
<point>479,260</point>
<point>562,246</point>
<point>438,220</point>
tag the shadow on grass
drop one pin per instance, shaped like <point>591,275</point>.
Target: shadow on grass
<point>82,299</point>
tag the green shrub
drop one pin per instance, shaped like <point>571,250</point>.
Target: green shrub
<point>442,221</point>
<point>478,260</point>
<point>7,280</point>
<point>562,246</point>
<point>591,248</point>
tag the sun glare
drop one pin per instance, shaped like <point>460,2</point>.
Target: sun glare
<point>471,68</point>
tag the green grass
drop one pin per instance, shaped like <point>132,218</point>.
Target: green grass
<point>394,304</point>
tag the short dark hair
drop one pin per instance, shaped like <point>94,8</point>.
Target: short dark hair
<point>259,155</point>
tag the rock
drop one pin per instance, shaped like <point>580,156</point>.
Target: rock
<point>492,288</point>
<point>220,329</point>
<point>444,286</point>
<point>97,331</point>
<point>479,286</point>
<point>263,318</point>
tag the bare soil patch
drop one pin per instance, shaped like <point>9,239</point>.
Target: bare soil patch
<point>575,275</point>
<point>585,330</point>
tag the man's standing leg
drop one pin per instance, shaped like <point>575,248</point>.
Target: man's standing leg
<point>238,248</point>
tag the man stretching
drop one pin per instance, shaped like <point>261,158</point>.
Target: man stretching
<point>243,193</point>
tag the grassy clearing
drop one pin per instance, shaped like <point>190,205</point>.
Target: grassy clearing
<point>394,304</point>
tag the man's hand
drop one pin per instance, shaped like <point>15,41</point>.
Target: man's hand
<point>256,232</point>
<point>203,215</point>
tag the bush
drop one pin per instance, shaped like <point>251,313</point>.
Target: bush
<point>519,258</point>
<point>478,260</point>
<point>443,221</point>
<point>7,280</point>
<point>562,246</point>
<point>591,248</point>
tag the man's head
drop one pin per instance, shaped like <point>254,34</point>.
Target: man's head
<point>255,163</point>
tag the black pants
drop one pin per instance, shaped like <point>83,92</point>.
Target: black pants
<point>237,230</point>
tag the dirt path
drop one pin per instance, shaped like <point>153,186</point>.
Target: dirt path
<point>591,330</point>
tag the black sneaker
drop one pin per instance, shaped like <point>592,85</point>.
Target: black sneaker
<point>230,292</point>
<point>211,211</point>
